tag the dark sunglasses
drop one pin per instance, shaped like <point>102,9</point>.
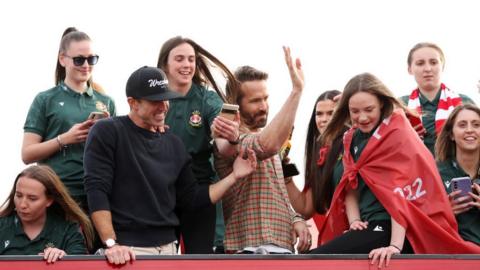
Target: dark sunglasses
<point>80,60</point>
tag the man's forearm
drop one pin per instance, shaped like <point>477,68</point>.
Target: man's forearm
<point>102,220</point>
<point>278,130</point>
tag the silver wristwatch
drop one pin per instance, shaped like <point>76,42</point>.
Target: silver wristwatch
<point>110,242</point>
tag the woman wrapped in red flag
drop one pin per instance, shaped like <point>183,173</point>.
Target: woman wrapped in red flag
<point>389,188</point>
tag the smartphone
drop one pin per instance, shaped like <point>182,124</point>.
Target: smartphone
<point>414,120</point>
<point>289,170</point>
<point>97,115</point>
<point>462,183</point>
<point>229,111</point>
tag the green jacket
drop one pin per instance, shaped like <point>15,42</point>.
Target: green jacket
<point>57,233</point>
<point>370,208</point>
<point>468,222</point>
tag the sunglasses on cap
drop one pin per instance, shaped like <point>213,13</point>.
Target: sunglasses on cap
<point>80,60</point>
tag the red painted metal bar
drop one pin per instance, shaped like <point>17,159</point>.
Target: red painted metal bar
<point>249,262</point>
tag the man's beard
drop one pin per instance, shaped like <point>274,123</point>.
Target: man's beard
<point>253,121</point>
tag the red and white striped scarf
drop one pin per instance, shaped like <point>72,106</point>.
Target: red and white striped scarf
<point>447,102</point>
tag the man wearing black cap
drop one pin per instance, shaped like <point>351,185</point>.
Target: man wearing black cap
<point>137,173</point>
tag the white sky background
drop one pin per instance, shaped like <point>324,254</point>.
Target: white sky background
<point>334,39</point>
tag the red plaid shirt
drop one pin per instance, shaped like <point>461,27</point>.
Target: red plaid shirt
<point>257,209</point>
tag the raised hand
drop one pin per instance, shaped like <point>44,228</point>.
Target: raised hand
<point>295,70</point>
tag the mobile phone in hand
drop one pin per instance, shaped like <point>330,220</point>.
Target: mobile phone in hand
<point>229,111</point>
<point>289,170</point>
<point>462,183</point>
<point>97,115</point>
<point>414,120</point>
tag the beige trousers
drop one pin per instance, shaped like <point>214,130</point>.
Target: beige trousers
<point>167,249</point>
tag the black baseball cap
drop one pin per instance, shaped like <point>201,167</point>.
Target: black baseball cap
<point>149,83</point>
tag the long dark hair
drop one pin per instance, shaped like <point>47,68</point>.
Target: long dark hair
<point>311,141</point>
<point>62,204</point>
<point>203,60</point>
<point>445,147</point>
<point>323,188</point>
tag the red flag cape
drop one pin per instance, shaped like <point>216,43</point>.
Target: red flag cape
<point>402,174</point>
